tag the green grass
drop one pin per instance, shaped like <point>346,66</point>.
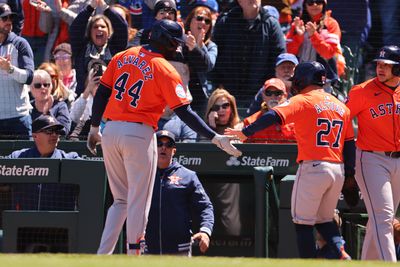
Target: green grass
<point>78,260</point>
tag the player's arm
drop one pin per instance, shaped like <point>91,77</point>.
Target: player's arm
<point>100,101</point>
<point>349,157</point>
<point>186,114</point>
<point>99,105</point>
<point>267,119</point>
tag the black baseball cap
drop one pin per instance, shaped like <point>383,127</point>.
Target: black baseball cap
<point>44,122</point>
<point>5,10</point>
<point>165,133</point>
<point>164,4</point>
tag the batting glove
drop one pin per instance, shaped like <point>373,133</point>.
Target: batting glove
<point>224,143</point>
<point>94,138</point>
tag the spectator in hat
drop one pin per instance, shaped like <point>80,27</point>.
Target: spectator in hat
<point>273,93</point>
<point>178,199</point>
<point>46,134</point>
<point>284,69</point>
<point>62,55</point>
<point>163,9</point>
<point>16,69</point>
<point>187,6</point>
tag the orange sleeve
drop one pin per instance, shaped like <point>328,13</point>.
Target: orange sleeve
<point>349,135</point>
<point>355,101</point>
<point>289,110</point>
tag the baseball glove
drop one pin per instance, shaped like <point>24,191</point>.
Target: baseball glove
<point>350,191</point>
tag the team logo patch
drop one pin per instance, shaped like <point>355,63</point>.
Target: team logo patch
<point>173,179</point>
<point>180,91</point>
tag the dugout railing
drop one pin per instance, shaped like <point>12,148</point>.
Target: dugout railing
<point>263,197</point>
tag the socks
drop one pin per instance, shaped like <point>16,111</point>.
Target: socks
<point>305,241</point>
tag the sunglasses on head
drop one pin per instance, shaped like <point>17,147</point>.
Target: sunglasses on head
<point>206,20</point>
<point>217,107</point>
<point>318,2</point>
<point>169,144</point>
<point>271,93</point>
<point>50,131</point>
<point>5,18</point>
<point>39,85</point>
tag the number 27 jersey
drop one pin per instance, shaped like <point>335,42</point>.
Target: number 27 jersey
<point>322,123</point>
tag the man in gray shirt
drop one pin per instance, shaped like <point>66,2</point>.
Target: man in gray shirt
<point>16,69</point>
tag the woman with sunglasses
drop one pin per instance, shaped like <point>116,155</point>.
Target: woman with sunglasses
<point>200,53</point>
<point>221,113</point>
<point>274,93</point>
<point>59,91</point>
<point>315,36</point>
<point>45,103</point>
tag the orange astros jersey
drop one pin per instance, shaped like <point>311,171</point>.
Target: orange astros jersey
<point>321,122</point>
<point>377,109</point>
<point>142,84</point>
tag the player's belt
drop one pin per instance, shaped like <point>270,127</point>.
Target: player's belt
<point>390,154</point>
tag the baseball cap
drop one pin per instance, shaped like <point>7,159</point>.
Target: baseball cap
<point>5,10</point>
<point>65,47</point>
<point>286,57</point>
<point>164,4</point>
<point>165,133</point>
<point>211,4</point>
<point>44,122</point>
<point>275,82</point>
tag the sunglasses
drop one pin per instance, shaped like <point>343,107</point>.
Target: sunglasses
<point>312,2</point>
<point>206,20</point>
<point>5,18</point>
<point>271,93</point>
<point>63,57</point>
<point>39,85</point>
<point>50,131</point>
<point>217,107</point>
<point>169,144</point>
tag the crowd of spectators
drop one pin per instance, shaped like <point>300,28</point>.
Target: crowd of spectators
<point>235,46</point>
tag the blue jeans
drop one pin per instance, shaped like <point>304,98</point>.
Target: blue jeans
<point>16,128</point>
<point>390,18</point>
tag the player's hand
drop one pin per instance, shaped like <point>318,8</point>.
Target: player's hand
<point>94,138</point>
<point>190,41</point>
<point>203,239</point>
<point>236,132</point>
<point>224,143</point>
<point>350,191</point>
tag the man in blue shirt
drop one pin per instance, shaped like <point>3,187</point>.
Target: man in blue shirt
<point>177,195</point>
<point>46,134</point>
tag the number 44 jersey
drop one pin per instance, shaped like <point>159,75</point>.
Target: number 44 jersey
<point>142,84</point>
<point>322,124</point>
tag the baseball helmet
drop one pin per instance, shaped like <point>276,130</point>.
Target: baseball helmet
<point>390,54</point>
<point>307,73</point>
<point>167,33</point>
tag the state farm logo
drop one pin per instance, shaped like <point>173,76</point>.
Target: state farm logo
<point>188,161</point>
<point>257,161</point>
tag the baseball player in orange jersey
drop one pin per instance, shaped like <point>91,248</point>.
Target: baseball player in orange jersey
<point>132,94</point>
<point>376,105</point>
<point>323,129</point>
